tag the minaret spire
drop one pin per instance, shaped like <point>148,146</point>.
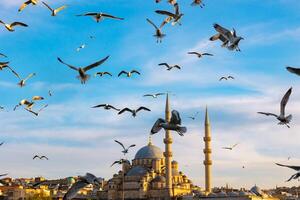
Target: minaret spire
<point>207,152</point>
<point>168,150</point>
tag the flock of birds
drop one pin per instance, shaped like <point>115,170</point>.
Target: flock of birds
<point>228,38</point>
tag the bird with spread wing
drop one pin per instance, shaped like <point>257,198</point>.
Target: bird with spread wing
<point>106,107</point>
<point>230,147</point>
<point>54,11</point>
<point>282,118</point>
<point>125,150</point>
<point>158,33</point>
<point>296,168</point>
<point>173,125</point>
<point>82,70</point>
<point>100,16</point>
<point>10,27</point>
<point>133,111</point>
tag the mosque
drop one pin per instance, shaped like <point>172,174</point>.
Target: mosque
<point>153,174</point>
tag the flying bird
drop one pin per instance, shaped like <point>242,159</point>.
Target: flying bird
<point>134,112</point>
<point>125,150</point>
<point>229,38</point>
<point>200,55</point>
<point>106,107</point>
<point>103,73</point>
<point>129,74</point>
<point>158,33</point>
<point>81,183</point>
<point>174,17</point>
<point>198,3</point>
<point>1,143</point>
<point>296,168</point>
<point>22,82</point>
<point>54,11</point>
<point>10,27</point>
<point>154,95</point>
<point>231,147</point>
<point>226,78</point>
<point>120,162</point>
<point>29,104</point>
<point>40,157</point>
<point>100,16</point>
<point>80,47</point>
<point>194,117</point>
<point>283,119</point>
<point>82,70</point>
<point>25,4</point>
<point>293,70</point>
<point>173,125</point>
<point>169,67</point>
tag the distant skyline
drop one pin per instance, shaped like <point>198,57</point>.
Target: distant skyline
<point>78,139</point>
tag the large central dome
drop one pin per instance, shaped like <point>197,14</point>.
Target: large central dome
<point>149,152</point>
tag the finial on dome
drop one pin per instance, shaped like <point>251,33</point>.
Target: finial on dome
<point>150,140</point>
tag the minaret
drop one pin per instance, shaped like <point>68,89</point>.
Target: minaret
<point>207,152</point>
<point>168,150</point>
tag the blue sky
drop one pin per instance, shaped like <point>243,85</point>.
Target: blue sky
<point>79,139</point>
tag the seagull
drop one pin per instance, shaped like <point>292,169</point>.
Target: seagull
<point>38,112</point>
<point>194,117</point>
<point>80,47</point>
<point>1,143</point>
<point>198,2</point>
<point>106,107</point>
<point>129,74</point>
<point>230,148</point>
<point>283,119</point>
<point>29,104</point>
<point>134,112</point>
<point>40,157</point>
<point>25,4</point>
<point>293,70</point>
<point>120,162</point>
<point>54,11</point>
<point>82,182</point>
<point>296,168</point>
<point>22,82</point>
<point>200,55</point>
<point>229,39</point>
<point>10,27</point>
<point>171,16</point>
<point>100,16</point>
<point>158,33</point>
<point>169,67</point>
<point>103,73</point>
<point>174,124</point>
<point>154,95</point>
<point>82,70</point>
<point>125,150</point>
<point>226,78</point>
<point>50,93</point>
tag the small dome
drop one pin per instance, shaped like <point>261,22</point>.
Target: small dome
<point>233,194</point>
<point>222,194</point>
<point>70,180</point>
<point>137,171</point>
<point>149,152</point>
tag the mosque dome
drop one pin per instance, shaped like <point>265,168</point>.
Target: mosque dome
<point>137,171</point>
<point>256,190</point>
<point>149,152</point>
<point>70,180</point>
